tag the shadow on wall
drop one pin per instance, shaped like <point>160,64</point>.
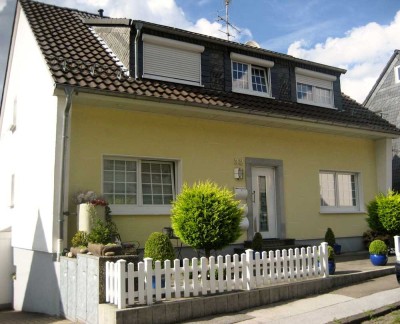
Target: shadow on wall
<point>36,287</point>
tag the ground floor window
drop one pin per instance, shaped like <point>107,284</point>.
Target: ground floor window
<point>339,191</point>
<point>130,184</point>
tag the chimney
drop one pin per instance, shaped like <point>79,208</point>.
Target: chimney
<point>101,11</point>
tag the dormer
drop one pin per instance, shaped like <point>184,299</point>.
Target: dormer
<point>314,88</point>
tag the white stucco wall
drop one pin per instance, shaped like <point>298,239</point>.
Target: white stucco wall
<point>30,149</point>
<point>6,269</point>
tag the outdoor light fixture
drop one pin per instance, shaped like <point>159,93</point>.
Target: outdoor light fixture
<point>238,173</point>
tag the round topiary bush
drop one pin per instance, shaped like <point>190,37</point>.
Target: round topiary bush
<point>378,247</point>
<point>206,216</point>
<point>159,247</point>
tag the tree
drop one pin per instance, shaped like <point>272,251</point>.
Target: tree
<point>206,216</point>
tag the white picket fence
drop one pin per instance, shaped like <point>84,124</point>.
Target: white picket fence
<point>127,286</point>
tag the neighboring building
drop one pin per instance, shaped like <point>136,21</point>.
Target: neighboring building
<point>384,99</point>
<point>132,110</point>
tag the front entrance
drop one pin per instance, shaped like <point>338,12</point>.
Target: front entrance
<point>264,201</point>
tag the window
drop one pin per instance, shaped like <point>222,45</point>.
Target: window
<point>339,191</point>
<point>314,88</point>
<point>131,185</point>
<point>171,60</point>
<point>397,74</point>
<point>251,75</point>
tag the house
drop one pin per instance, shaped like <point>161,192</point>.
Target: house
<point>384,99</point>
<point>132,110</point>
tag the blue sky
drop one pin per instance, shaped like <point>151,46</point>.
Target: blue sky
<point>358,35</point>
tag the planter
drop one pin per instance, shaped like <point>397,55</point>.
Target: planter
<point>378,259</point>
<point>105,250</point>
<point>84,216</point>
<point>331,267</point>
<point>337,248</point>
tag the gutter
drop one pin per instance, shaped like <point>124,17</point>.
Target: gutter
<point>68,92</point>
<point>138,27</point>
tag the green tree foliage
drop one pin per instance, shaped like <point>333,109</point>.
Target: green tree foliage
<point>103,232</point>
<point>206,216</point>
<point>159,247</point>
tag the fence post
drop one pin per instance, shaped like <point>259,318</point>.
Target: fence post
<point>324,259</point>
<point>121,284</point>
<point>108,278</point>
<point>397,247</point>
<point>148,269</point>
<point>249,270</point>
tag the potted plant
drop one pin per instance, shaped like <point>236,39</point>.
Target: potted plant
<point>378,252</point>
<point>90,207</point>
<point>331,260</point>
<point>159,248</point>
<point>79,243</point>
<point>102,239</point>
<point>331,240</point>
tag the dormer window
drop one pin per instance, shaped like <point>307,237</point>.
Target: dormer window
<point>314,88</point>
<point>397,74</point>
<point>251,75</point>
<point>171,60</point>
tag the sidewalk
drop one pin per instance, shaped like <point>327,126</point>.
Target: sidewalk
<point>341,305</point>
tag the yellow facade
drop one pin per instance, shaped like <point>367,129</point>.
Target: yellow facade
<point>207,149</point>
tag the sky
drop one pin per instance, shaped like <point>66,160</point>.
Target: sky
<point>357,35</point>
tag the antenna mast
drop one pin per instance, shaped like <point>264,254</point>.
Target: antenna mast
<point>226,20</point>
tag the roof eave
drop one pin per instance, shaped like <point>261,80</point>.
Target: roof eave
<point>312,121</point>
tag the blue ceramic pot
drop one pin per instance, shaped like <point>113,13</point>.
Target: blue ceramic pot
<point>331,267</point>
<point>378,259</point>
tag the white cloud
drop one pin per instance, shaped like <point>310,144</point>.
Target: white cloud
<point>363,51</point>
<point>2,4</point>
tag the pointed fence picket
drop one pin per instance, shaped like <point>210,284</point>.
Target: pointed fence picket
<point>127,286</point>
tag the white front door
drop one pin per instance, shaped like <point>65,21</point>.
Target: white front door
<point>264,202</point>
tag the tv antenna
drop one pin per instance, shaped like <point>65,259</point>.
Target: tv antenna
<point>225,20</point>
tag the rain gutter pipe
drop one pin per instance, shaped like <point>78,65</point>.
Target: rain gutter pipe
<point>62,213</point>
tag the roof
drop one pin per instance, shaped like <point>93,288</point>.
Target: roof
<point>381,76</point>
<point>77,57</point>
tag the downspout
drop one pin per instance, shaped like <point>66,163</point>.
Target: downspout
<point>138,27</point>
<point>62,213</point>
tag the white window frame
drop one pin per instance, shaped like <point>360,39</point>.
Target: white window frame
<point>164,59</point>
<point>358,208</point>
<point>139,208</point>
<point>397,74</point>
<point>257,63</point>
<point>315,80</point>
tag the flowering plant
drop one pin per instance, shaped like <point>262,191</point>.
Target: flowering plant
<point>90,197</point>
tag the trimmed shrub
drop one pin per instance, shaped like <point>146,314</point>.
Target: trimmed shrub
<point>80,239</point>
<point>378,247</point>
<point>257,242</point>
<point>103,232</point>
<point>388,207</point>
<point>330,237</point>
<point>159,247</point>
<point>206,216</point>
<point>373,220</point>
<point>331,253</point>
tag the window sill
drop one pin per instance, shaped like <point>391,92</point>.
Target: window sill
<point>252,93</point>
<point>324,212</point>
<point>140,210</point>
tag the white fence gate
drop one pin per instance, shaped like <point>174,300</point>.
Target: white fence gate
<point>127,286</point>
